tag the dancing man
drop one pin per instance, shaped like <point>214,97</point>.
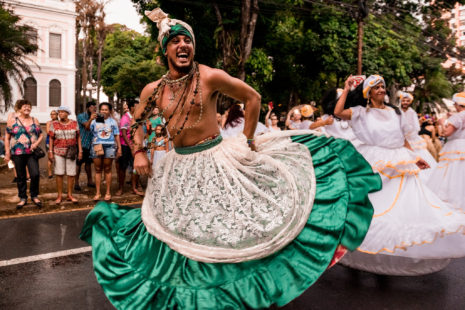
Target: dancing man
<point>221,217</point>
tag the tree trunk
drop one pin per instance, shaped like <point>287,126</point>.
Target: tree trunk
<point>99,70</point>
<point>393,93</point>
<point>249,14</point>
<point>226,41</point>
<point>359,46</point>
<point>84,71</point>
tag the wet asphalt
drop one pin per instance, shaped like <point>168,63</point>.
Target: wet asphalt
<point>69,283</point>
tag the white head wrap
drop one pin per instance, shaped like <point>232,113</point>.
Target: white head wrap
<point>64,108</point>
<point>164,24</point>
<point>459,98</point>
<point>371,82</point>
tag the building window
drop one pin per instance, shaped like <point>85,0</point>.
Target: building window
<point>30,90</point>
<point>55,45</point>
<point>32,35</point>
<point>54,93</point>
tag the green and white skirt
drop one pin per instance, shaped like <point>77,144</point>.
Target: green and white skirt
<point>222,227</point>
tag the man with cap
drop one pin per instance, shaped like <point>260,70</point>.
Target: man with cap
<point>448,178</point>
<point>418,144</point>
<point>65,148</point>
<point>84,119</point>
<point>221,216</point>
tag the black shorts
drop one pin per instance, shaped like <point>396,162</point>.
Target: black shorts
<point>85,157</point>
<point>126,160</point>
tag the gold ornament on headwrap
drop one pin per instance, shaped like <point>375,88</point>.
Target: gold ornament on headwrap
<point>169,28</point>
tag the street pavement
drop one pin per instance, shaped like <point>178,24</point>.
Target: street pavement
<point>31,277</point>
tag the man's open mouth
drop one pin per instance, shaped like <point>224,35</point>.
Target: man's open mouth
<point>182,55</point>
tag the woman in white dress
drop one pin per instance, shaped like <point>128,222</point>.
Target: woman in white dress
<point>334,126</point>
<point>418,144</point>
<point>234,124</point>
<point>413,231</point>
<point>448,179</point>
<point>160,146</point>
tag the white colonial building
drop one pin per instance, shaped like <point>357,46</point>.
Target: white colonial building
<point>53,81</point>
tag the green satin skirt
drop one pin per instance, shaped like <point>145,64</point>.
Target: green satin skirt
<point>137,271</point>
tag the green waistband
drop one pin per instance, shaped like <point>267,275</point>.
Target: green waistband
<point>185,150</point>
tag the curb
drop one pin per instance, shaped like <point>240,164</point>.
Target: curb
<point>66,206</point>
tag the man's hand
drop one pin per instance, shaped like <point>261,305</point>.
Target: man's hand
<point>422,164</point>
<point>50,156</point>
<point>7,157</point>
<point>119,153</point>
<point>142,164</point>
<point>80,155</point>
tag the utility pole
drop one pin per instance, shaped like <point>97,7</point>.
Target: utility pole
<point>361,14</point>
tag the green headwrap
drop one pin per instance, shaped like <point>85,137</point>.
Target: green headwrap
<point>174,31</point>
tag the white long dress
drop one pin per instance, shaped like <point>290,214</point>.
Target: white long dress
<point>418,144</point>
<point>341,129</point>
<point>448,179</point>
<point>413,231</point>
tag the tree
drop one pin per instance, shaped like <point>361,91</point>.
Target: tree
<point>233,31</point>
<point>128,63</point>
<point>301,48</point>
<point>90,24</point>
<point>16,42</point>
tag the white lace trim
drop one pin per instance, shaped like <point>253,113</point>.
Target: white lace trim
<point>229,204</point>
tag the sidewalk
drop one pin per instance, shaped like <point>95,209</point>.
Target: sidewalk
<point>9,193</point>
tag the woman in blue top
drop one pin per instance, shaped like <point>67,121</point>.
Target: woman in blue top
<point>105,147</point>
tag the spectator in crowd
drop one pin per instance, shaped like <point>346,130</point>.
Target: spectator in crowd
<point>23,136</point>
<point>153,122</point>
<point>105,147</point>
<point>160,146</point>
<point>294,120</point>
<point>234,124</point>
<point>271,119</point>
<point>126,160</point>
<point>53,117</point>
<point>84,120</point>
<point>65,147</point>
<point>10,117</point>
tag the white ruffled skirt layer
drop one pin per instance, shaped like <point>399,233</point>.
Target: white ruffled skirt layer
<point>228,204</point>
<point>157,156</point>
<point>420,147</point>
<point>410,221</point>
<point>448,178</point>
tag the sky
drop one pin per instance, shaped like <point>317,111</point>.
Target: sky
<point>123,12</point>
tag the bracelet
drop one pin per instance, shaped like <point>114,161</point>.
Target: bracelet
<point>143,149</point>
<point>250,141</point>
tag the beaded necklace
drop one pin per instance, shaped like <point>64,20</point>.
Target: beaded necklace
<point>184,83</point>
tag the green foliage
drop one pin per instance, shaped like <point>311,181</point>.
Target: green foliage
<point>15,44</point>
<point>131,79</point>
<point>260,68</point>
<point>301,48</point>
<point>388,54</point>
<point>125,53</point>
